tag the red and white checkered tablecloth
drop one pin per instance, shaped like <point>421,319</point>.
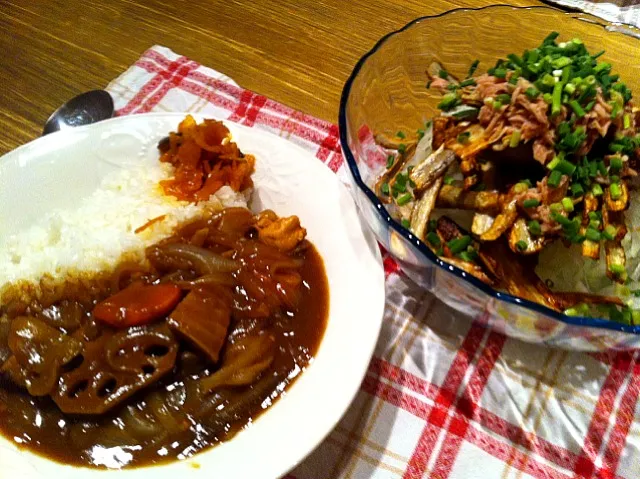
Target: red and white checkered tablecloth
<point>443,396</point>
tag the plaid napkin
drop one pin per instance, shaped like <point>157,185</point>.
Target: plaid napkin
<point>617,11</point>
<point>443,397</point>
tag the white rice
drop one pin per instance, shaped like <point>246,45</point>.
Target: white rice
<point>101,231</point>
<point>568,270</point>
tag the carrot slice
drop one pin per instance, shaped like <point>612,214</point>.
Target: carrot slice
<point>138,304</point>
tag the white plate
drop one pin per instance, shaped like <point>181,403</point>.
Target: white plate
<point>58,170</point>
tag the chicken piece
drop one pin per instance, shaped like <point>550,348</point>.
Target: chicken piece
<point>203,317</point>
<point>283,233</point>
<point>244,361</point>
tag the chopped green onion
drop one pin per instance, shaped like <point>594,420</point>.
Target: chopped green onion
<point>449,180</point>
<point>589,106</point>
<point>567,204</point>
<point>404,199</point>
<point>500,72</point>
<point>515,59</point>
<point>401,135</point>
<point>592,234</point>
<point>385,188</point>
<point>457,245</point>
<point>610,232</point>
<point>473,68</point>
<point>561,62</point>
<point>433,239</point>
<point>534,228</point>
<point>615,191</point>
<point>556,207</point>
<point>405,223</point>
<point>464,112</point>
<point>551,38</point>
<point>466,256</point>
<point>627,121</point>
<point>617,269</point>
<point>570,88</point>
<point>560,219</point>
<point>402,148</point>
<point>554,178</point>
<point>467,82</point>
<point>515,138</point>
<point>601,168</point>
<point>615,111</point>
<point>600,53</point>
<point>577,189</point>
<point>554,163</point>
<point>504,98</point>
<point>496,105</point>
<point>615,164</point>
<point>596,189</point>
<point>580,309</point>
<point>531,203</point>
<point>577,108</point>
<point>521,245</point>
<point>449,101</point>
<point>390,161</point>
<point>443,74</point>
<point>433,224</point>
<point>565,167</point>
<point>556,99</point>
<point>548,80</point>
<point>463,137</point>
<point>520,187</point>
<point>532,93</point>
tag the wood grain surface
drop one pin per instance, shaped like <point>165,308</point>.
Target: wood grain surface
<point>298,52</point>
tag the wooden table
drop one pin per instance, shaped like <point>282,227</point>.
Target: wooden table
<point>298,52</point>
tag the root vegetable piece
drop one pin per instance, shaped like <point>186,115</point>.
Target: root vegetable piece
<point>203,317</point>
<point>114,367</point>
<point>137,304</point>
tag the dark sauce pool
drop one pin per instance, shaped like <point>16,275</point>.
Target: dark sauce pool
<point>171,419</point>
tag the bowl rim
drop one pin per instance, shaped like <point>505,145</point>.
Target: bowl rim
<point>582,321</point>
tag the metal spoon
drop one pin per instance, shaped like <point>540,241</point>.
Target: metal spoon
<point>89,107</point>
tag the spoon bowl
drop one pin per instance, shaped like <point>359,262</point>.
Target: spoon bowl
<point>89,107</point>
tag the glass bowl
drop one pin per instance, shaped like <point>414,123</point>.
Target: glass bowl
<point>386,93</point>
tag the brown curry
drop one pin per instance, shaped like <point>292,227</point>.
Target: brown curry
<point>158,360</point>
